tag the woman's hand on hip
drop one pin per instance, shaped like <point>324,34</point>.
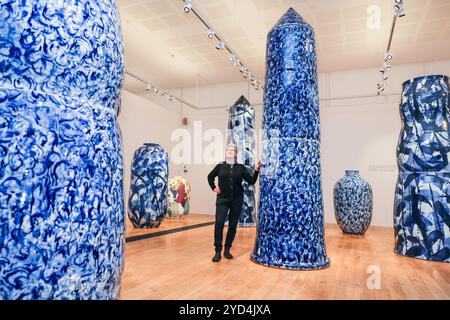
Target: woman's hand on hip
<point>217,190</point>
<point>258,166</point>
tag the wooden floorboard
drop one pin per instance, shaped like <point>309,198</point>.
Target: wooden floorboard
<point>169,224</point>
<point>178,266</point>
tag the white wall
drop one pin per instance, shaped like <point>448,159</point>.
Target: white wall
<point>358,130</point>
<point>362,138</point>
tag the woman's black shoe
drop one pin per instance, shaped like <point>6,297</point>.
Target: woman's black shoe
<point>227,253</point>
<point>216,257</point>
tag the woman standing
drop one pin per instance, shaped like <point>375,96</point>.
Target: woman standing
<point>229,198</point>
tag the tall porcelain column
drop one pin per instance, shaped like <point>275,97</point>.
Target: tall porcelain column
<point>422,205</point>
<point>61,167</point>
<point>241,132</point>
<point>290,230</point>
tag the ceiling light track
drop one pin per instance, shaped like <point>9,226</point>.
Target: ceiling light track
<point>399,11</point>
<point>159,91</point>
<point>223,45</point>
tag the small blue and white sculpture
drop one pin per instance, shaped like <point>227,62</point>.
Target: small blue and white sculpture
<point>290,229</point>
<point>241,132</point>
<point>422,202</point>
<point>147,204</point>
<point>353,202</point>
<point>61,167</point>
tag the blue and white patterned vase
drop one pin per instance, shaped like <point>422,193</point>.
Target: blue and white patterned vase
<point>147,204</point>
<point>241,132</point>
<point>422,203</point>
<point>61,167</point>
<point>353,202</point>
<point>290,229</point>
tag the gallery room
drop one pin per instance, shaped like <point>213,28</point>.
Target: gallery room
<point>224,150</point>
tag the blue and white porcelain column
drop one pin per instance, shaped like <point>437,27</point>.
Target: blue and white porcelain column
<point>61,167</point>
<point>147,204</point>
<point>290,229</point>
<point>421,206</point>
<point>353,202</point>
<point>241,132</point>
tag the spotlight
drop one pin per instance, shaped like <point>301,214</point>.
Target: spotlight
<point>171,98</point>
<point>220,45</point>
<point>148,87</point>
<point>155,90</point>
<point>187,7</point>
<point>384,77</point>
<point>236,62</point>
<point>387,56</point>
<point>243,70</point>
<point>210,33</point>
<point>387,66</point>
<point>399,9</point>
<point>232,57</point>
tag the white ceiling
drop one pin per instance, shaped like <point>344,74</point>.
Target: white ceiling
<point>171,48</point>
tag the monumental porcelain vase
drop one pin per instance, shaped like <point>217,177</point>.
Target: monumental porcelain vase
<point>421,205</point>
<point>61,167</point>
<point>147,204</point>
<point>353,202</point>
<point>290,229</point>
<point>241,132</point>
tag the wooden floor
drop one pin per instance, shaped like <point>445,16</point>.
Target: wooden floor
<point>178,266</point>
<point>169,224</point>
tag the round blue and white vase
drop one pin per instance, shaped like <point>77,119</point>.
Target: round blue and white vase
<point>61,167</point>
<point>353,203</point>
<point>421,204</point>
<point>147,204</point>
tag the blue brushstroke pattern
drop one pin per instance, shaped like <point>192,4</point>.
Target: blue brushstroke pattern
<point>241,132</point>
<point>61,167</point>
<point>422,201</point>
<point>353,203</point>
<point>290,230</point>
<point>147,204</point>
